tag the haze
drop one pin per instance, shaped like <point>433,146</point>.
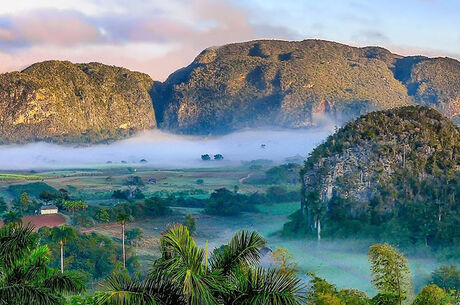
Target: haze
<point>164,150</point>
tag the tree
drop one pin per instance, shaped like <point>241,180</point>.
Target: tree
<point>447,277</point>
<point>12,217</point>
<point>431,295</point>
<point>205,157</point>
<point>74,205</point>
<point>285,260</point>
<point>3,205</point>
<point>218,157</point>
<point>390,271</point>
<point>184,275</point>
<point>190,223</point>
<point>134,181</point>
<point>26,278</point>
<point>134,235</point>
<point>317,209</point>
<point>61,235</point>
<point>122,219</point>
<point>102,215</point>
<point>21,204</point>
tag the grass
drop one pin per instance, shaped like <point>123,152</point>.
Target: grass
<point>4,176</point>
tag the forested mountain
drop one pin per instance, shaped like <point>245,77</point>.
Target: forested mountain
<point>250,84</point>
<point>297,84</point>
<point>391,174</point>
<point>65,102</point>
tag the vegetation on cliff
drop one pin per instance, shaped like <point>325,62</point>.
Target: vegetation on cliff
<point>65,102</point>
<point>392,175</point>
<point>297,84</point>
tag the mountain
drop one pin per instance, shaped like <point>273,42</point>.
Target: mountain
<point>251,84</point>
<point>298,84</point>
<point>400,164</point>
<point>65,102</point>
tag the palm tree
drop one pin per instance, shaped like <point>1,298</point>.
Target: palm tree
<point>183,276</point>
<point>62,235</point>
<point>123,219</point>
<point>25,278</point>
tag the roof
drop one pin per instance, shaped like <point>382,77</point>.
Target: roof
<point>48,207</point>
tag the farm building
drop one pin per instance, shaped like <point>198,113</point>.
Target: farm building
<point>48,209</point>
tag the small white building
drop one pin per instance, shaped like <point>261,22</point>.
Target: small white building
<point>48,209</point>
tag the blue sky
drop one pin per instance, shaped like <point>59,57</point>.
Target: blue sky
<point>158,37</point>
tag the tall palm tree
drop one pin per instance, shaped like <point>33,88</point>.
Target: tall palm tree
<point>62,234</point>
<point>182,276</point>
<point>25,278</point>
<point>123,219</point>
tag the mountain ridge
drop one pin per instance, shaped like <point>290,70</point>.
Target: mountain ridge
<point>287,84</point>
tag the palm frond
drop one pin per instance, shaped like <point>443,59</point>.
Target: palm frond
<point>67,282</point>
<point>20,294</point>
<point>242,249</point>
<point>121,289</point>
<point>267,287</point>
<point>16,240</point>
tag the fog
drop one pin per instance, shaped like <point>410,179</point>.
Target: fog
<point>165,150</point>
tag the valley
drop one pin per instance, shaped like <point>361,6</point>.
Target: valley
<point>341,261</point>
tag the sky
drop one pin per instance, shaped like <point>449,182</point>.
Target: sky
<point>158,37</point>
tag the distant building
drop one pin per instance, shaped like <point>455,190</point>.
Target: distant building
<point>48,209</point>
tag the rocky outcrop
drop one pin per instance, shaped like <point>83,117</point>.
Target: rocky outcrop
<point>64,102</point>
<point>374,151</point>
<point>299,84</point>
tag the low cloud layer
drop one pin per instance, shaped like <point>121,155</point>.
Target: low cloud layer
<point>163,150</point>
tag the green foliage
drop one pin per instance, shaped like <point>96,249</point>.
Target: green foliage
<point>26,278</point>
<point>12,217</point>
<point>116,103</point>
<point>183,276</point>
<point>3,205</point>
<point>32,189</point>
<point>447,277</point>
<point>390,271</point>
<point>205,157</point>
<point>400,185</point>
<point>190,223</point>
<point>283,174</point>
<point>323,293</point>
<point>277,83</point>
<point>23,204</point>
<point>102,215</point>
<point>226,203</point>
<point>134,181</point>
<point>134,236</point>
<point>218,157</point>
<point>74,205</point>
<point>93,254</point>
<point>431,295</point>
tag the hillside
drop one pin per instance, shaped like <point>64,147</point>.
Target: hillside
<point>297,84</point>
<point>400,164</point>
<point>251,84</point>
<point>65,102</point>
